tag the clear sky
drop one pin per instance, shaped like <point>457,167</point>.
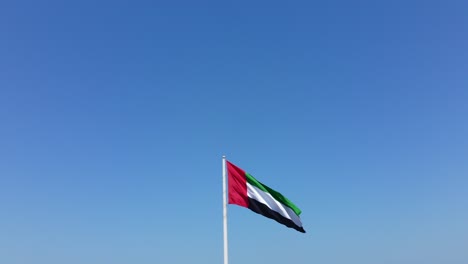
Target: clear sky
<point>114,116</point>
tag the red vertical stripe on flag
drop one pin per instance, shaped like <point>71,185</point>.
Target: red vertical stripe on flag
<point>237,185</point>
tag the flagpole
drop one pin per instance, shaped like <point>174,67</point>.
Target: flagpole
<point>225,235</point>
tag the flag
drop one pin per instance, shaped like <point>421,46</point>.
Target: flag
<point>245,190</point>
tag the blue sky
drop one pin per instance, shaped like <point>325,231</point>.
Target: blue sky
<point>114,116</point>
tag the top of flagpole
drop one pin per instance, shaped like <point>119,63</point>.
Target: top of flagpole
<point>225,234</point>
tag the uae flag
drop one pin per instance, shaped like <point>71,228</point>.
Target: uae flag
<point>246,191</point>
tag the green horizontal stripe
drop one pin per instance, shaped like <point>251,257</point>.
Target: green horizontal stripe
<point>278,196</point>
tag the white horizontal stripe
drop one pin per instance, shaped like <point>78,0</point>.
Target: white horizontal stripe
<point>268,200</point>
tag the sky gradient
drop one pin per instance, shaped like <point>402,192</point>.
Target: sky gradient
<point>114,116</point>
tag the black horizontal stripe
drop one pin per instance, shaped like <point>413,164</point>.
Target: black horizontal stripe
<point>262,209</point>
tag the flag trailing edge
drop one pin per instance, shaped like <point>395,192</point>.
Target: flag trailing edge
<point>244,190</point>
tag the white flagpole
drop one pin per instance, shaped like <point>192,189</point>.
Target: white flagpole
<point>225,213</point>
